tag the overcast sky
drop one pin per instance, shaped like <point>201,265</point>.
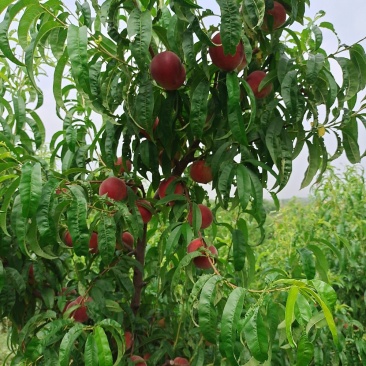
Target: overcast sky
<point>348,18</point>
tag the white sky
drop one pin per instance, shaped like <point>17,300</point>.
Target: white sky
<point>348,21</point>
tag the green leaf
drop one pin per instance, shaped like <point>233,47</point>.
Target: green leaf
<point>351,79</point>
<point>198,113</point>
<point>19,225</point>
<point>308,263</point>
<point>305,351</point>
<point>314,162</point>
<point>253,104</point>
<point>35,322</point>
<point>90,352</point>
<point>145,103</point>
<point>318,37</point>
<point>303,310</point>
<point>350,141</point>
<point>104,351</point>
<point>10,14</point>
<point>289,91</point>
<point>16,280</point>
<point>229,322</point>
<point>77,46</point>
<point>68,343</point>
<point>197,287</point>
<point>2,276</point>
<point>139,28</point>
<point>4,4</point>
<point>244,185</point>
<point>196,218</point>
<point>314,65</point>
<point>239,246</point>
<point>290,313</point>
<point>30,16</point>
<point>114,328</point>
<point>106,238</point>
<point>358,57</point>
<point>207,313</point>
<point>30,188</point>
<point>256,335</point>
<point>5,204</point>
<point>46,225</point>
<point>326,292</point>
<point>57,79</point>
<point>76,222</point>
<point>253,12</point>
<point>30,55</point>
<point>321,262</point>
<point>230,27</point>
<point>234,110</point>
<point>327,313</point>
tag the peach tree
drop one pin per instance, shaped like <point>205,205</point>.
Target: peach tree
<point>113,243</point>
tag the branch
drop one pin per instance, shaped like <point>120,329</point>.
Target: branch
<point>189,157</point>
<point>138,276</point>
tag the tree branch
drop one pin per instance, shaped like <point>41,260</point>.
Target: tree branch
<point>138,276</point>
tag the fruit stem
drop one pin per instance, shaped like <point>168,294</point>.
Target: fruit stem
<point>138,276</point>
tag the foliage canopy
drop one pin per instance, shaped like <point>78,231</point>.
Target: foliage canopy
<point>100,58</point>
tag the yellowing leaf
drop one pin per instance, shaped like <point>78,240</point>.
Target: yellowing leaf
<point>321,131</point>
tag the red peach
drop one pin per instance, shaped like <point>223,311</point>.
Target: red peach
<point>225,62</point>
<point>93,243</point>
<point>114,188</point>
<point>79,314</point>
<point>180,361</point>
<point>206,215</point>
<point>137,360</point>
<point>254,79</point>
<point>145,213</point>
<point>164,184</point>
<point>124,166</point>
<point>128,340</point>
<point>200,172</point>
<point>68,239</point>
<point>278,15</point>
<point>167,70</point>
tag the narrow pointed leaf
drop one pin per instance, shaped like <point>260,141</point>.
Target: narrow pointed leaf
<point>207,313</point>
<point>229,322</point>
<point>30,188</point>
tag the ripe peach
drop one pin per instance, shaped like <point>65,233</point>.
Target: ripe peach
<point>202,261</point>
<point>147,356</point>
<point>31,279</point>
<point>180,361</point>
<point>206,215</point>
<point>167,70</point>
<point>93,243</point>
<point>127,238</point>
<point>164,184</point>
<point>79,314</point>
<point>145,213</point>
<point>128,340</point>
<point>114,188</point>
<point>200,172</point>
<point>254,79</point>
<point>278,15</point>
<point>137,360</point>
<point>124,166</point>
<point>225,62</point>
<point>68,239</point>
